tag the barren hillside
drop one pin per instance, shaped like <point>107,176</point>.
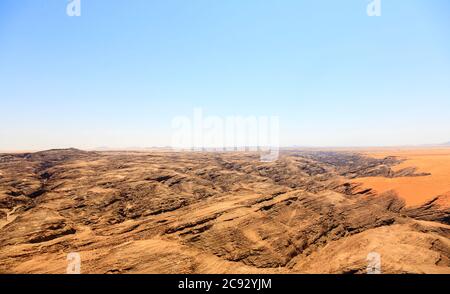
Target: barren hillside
<point>164,212</point>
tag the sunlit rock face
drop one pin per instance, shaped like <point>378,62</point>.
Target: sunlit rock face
<point>200,212</point>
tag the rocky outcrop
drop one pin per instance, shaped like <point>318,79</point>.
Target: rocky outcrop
<point>35,226</point>
<point>433,210</point>
<point>352,165</point>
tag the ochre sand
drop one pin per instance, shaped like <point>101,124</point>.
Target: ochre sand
<point>415,190</point>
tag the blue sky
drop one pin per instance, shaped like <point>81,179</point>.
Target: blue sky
<point>117,75</point>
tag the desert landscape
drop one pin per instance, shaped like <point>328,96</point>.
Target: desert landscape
<point>311,211</point>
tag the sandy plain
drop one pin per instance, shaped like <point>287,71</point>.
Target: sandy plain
<point>415,190</point>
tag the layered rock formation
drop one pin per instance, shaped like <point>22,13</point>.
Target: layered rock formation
<point>164,212</point>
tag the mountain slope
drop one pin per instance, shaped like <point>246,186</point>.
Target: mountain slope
<point>135,212</point>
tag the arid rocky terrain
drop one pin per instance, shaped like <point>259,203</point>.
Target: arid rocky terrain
<point>198,212</point>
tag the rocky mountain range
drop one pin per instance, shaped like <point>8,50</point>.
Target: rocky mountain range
<point>200,212</point>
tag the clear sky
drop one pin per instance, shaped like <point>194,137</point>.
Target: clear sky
<point>117,75</point>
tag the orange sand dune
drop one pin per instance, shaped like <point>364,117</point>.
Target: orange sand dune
<point>415,190</point>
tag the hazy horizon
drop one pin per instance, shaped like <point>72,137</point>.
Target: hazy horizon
<point>117,75</point>
<point>305,147</point>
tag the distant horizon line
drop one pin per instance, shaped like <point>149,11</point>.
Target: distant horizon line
<point>217,149</point>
